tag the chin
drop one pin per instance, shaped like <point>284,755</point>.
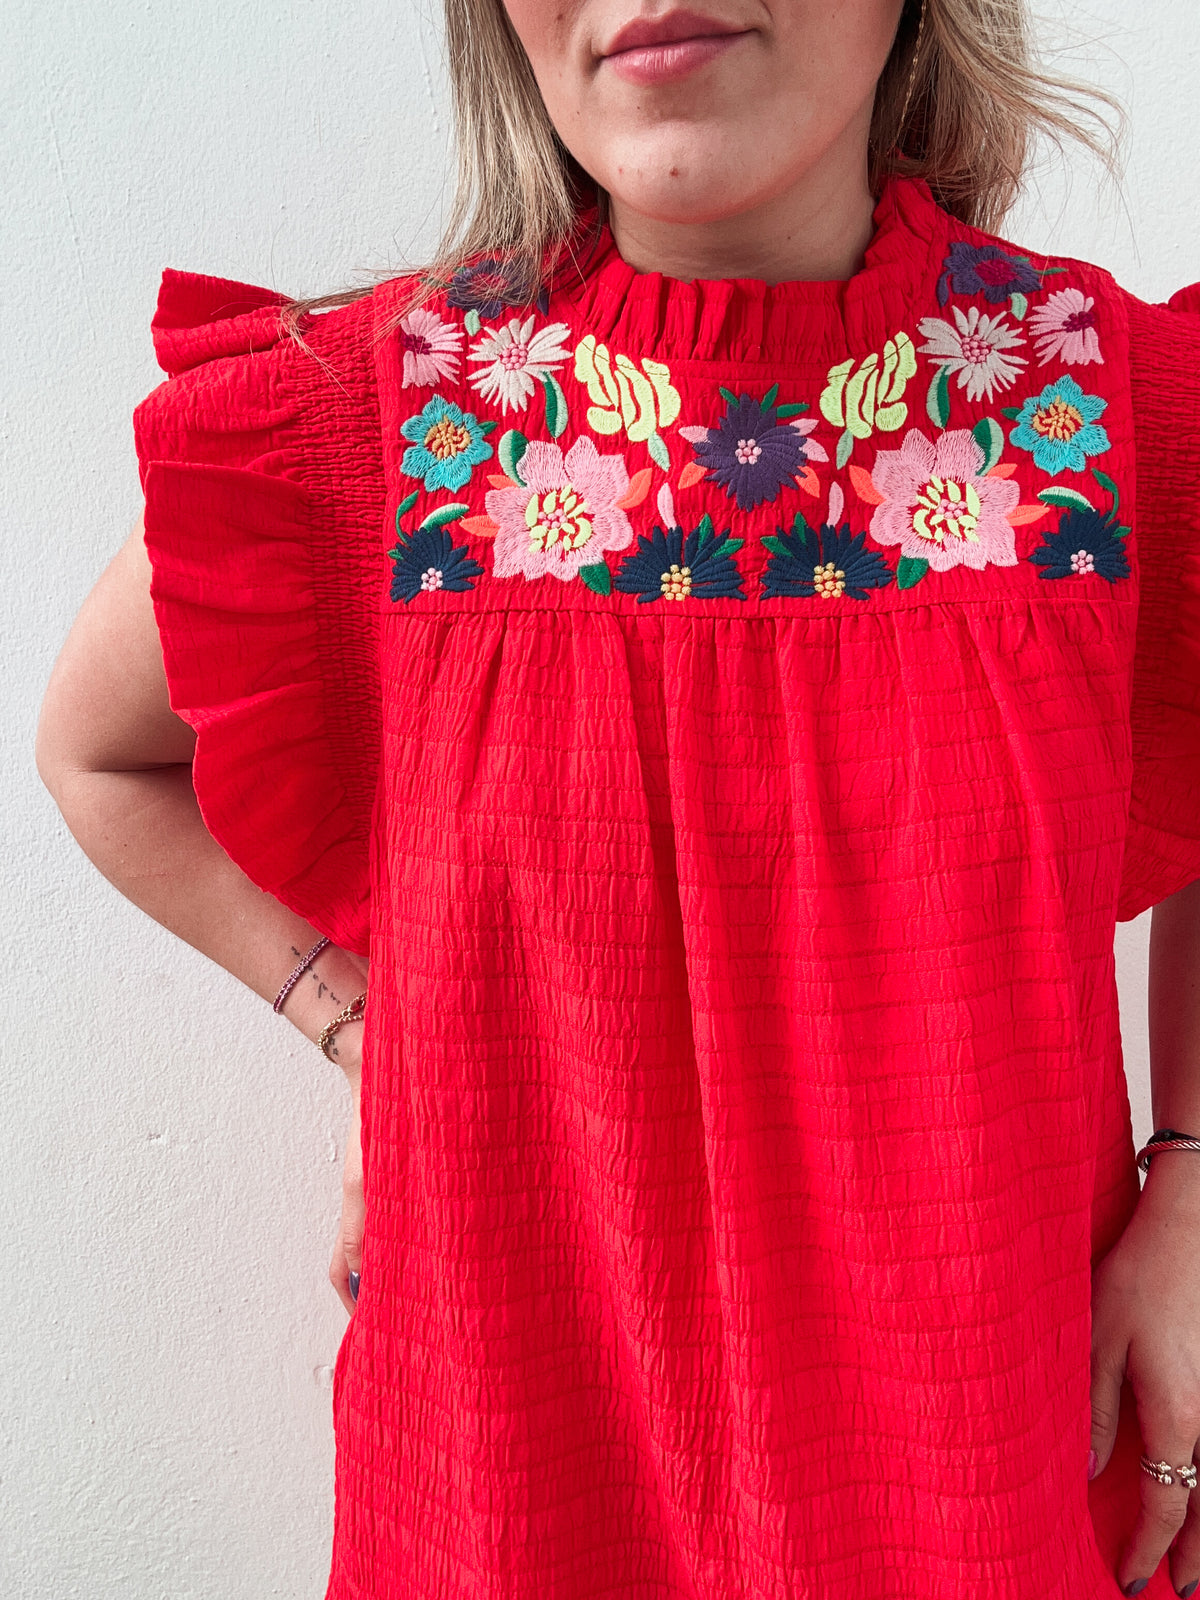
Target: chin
<point>683,192</point>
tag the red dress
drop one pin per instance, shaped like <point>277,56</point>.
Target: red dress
<point>732,718</point>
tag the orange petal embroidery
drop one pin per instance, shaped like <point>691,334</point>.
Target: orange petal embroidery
<point>482,527</point>
<point>1019,515</point>
<point>691,473</point>
<point>639,488</point>
<point>864,486</point>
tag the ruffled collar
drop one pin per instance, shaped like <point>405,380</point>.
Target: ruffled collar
<point>749,320</point>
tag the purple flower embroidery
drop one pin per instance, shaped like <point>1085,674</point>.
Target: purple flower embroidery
<point>971,269</point>
<point>489,285</point>
<point>751,452</point>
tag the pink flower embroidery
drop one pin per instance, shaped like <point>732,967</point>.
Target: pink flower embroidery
<point>939,507</point>
<point>431,348</point>
<point>564,517</point>
<point>1064,329</point>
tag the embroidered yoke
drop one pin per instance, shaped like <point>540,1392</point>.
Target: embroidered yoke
<point>732,718</point>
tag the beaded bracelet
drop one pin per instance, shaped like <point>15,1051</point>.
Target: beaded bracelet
<point>352,1013</point>
<point>1165,1139</point>
<point>297,973</point>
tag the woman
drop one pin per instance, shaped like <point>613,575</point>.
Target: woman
<point>723,644</point>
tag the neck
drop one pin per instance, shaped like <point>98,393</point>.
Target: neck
<point>818,229</point>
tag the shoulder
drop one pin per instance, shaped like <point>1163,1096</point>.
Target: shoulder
<point>242,378</point>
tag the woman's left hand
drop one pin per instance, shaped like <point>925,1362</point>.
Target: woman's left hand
<point>1146,1326</point>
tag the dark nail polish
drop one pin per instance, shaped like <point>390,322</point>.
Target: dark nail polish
<point>1190,1590</point>
<point>1136,1586</point>
<point>355,1279</point>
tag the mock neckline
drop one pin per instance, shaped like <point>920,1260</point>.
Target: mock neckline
<point>748,320</point>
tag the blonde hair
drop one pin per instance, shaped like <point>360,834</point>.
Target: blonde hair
<point>960,102</point>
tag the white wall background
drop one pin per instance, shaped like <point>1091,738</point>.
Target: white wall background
<point>170,1179</point>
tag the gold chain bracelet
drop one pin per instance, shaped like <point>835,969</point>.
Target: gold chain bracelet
<point>351,1013</point>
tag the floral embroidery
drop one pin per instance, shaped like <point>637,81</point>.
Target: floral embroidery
<point>1064,328</point>
<point>757,448</point>
<point>517,359</point>
<point>975,349</point>
<point>486,287</point>
<point>986,269</point>
<point>938,505</point>
<point>1086,541</point>
<point>827,561</point>
<point>669,565</point>
<point>564,513</point>
<point>1060,427</point>
<point>427,558</point>
<point>431,349</point>
<point>869,396</point>
<point>622,397</point>
<point>447,443</point>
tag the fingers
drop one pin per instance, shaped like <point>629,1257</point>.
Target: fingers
<point>347,1251</point>
<point>1168,1520</point>
<point>1107,1378</point>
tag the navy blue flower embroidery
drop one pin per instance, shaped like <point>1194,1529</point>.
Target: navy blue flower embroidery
<point>757,448</point>
<point>489,285</point>
<point>1086,541</point>
<point>970,268</point>
<point>823,561</point>
<point>428,558</point>
<point>670,566</point>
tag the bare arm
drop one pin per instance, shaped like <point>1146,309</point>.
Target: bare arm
<point>1174,1007</point>
<point>117,760</point>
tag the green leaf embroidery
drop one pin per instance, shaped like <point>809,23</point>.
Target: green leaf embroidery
<point>769,398</point>
<point>800,528</point>
<point>772,543</point>
<point>659,453</point>
<point>471,321</point>
<point>1011,412</point>
<point>989,436</point>
<point>597,577</point>
<point>1019,306</point>
<point>729,547</point>
<point>705,528</point>
<point>556,405</point>
<point>1070,499</point>
<point>487,427</point>
<point>937,403</point>
<point>730,399</point>
<point>791,409</point>
<point>1105,482</point>
<point>509,451</point>
<point>1120,533</point>
<point>844,446</point>
<point>1047,271</point>
<point>443,514</point>
<point>406,506</point>
<point>910,570</point>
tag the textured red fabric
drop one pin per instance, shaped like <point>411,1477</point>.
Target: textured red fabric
<point>743,1106</point>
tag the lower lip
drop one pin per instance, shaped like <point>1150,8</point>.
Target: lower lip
<point>662,63</point>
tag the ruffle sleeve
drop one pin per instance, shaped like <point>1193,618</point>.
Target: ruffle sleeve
<point>1162,849</point>
<point>262,473</point>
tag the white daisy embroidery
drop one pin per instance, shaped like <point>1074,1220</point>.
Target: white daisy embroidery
<point>976,349</point>
<point>516,359</point>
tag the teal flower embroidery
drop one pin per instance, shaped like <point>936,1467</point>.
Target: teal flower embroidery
<point>447,443</point>
<point>1060,427</point>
